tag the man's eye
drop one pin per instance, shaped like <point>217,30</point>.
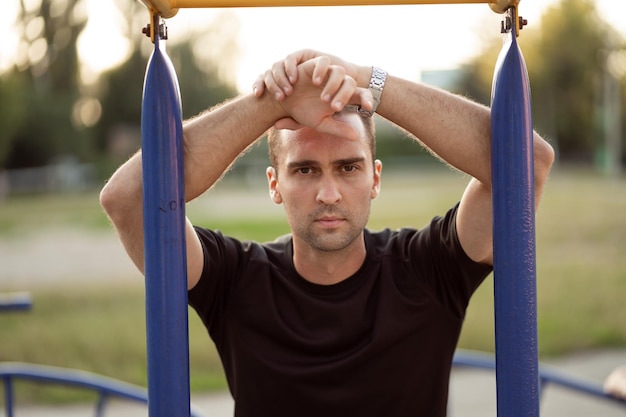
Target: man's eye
<point>350,168</point>
<point>305,170</point>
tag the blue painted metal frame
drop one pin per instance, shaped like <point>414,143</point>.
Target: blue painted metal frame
<point>547,375</point>
<point>107,388</point>
<point>19,301</point>
<point>164,236</point>
<point>514,233</point>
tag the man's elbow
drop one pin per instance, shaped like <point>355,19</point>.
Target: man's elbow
<point>108,200</point>
<point>543,159</point>
<point>117,203</point>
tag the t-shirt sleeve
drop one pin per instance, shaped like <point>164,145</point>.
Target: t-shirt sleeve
<point>443,266</point>
<point>219,276</point>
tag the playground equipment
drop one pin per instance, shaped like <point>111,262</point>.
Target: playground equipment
<point>15,301</point>
<point>516,360</point>
<point>106,388</point>
<point>169,8</point>
<point>164,217</point>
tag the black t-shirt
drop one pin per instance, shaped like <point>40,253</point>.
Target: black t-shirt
<point>379,343</point>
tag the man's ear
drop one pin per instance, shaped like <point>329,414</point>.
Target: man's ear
<point>378,167</point>
<point>272,181</point>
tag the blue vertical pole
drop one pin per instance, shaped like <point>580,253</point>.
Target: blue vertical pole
<point>517,375</point>
<point>164,235</point>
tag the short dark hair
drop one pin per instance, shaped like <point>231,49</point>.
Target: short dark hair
<point>275,145</point>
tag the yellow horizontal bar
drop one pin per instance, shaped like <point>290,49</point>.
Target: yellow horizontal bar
<point>168,8</point>
<point>272,3</point>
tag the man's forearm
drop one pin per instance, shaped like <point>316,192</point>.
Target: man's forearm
<point>212,142</point>
<point>216,138</point>
<point>454,128</point>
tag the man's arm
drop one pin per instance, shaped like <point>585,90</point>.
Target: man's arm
<point>453,127</point>
<point>458,131</point>
<point>212,141</point>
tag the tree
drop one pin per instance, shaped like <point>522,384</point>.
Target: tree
<point>565,69</point>
<point>201,78</point>
<point>47,74</point>
<point>49,112</point>
<point>12,111</point>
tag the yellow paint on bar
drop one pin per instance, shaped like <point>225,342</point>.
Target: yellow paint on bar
<point>161,7</point>
<point>169,8</point>
<point>271,3</point>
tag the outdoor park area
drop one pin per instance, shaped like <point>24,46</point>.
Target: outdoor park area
<point>88,302</point>
<point>80,303</point>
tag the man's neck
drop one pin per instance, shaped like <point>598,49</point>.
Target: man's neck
<point>328,267</point>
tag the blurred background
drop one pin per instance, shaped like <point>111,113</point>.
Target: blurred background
<point>71,74</point>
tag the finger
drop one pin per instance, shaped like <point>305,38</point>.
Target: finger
<point>363,97</point>
<point>291,67</point>
<point>294,59</point>
<point>338,90</point>
<point>272,87</point>
<point>320,70</point>
<point>280,77</point>
<point>258,86</point>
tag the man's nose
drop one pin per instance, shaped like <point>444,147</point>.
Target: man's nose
<point>328,191</point>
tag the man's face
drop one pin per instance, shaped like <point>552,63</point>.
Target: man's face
<point>326,184</point>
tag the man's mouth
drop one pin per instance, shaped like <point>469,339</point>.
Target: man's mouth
<point>329,221</point>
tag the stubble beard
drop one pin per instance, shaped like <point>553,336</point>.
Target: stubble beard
<point>334,239</point>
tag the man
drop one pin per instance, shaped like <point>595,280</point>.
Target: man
<point>333,319</point>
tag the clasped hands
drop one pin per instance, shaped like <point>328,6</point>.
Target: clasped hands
<point>311,88</point>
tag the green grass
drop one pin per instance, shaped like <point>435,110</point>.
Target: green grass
<point>581,269</point>
<point>32,212</point>
<point>100,330</point>
<point>581,237</point>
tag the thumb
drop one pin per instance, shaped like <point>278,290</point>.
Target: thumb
<point>363,97</point>
<point>287,123</point>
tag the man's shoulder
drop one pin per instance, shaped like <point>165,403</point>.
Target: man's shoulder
<point>279,248</point>
<point>280,241</point>
<point>437,231</point>
<point>384,236</point>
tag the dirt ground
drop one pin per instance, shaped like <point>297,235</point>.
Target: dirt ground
<point>57,257</point>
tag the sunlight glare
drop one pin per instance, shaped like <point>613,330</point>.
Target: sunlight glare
<point>101,46</point>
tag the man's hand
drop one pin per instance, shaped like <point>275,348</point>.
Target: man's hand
<point>321,90</point>
<point>280,79</point>
<point>615,383</point>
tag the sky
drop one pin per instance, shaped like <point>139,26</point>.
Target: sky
<point>403,39</point>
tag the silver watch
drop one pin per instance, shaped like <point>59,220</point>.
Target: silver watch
<point>377,83</point>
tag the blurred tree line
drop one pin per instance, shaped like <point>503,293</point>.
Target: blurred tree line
<point>576,62</point>
<point>49,111</point>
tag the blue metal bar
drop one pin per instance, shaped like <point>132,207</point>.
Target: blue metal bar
<point>164,237</point>
<point>103,399</point>
<point>105,386</point>
<point>547,376</point>
<point>73,377</point>
<point>517,380</point>
<point>18,301</point>
<point>8,395</point>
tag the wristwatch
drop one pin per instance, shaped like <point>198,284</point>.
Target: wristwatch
<point>377,83</point>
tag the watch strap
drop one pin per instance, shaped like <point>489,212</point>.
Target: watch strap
<point>376,86</point>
